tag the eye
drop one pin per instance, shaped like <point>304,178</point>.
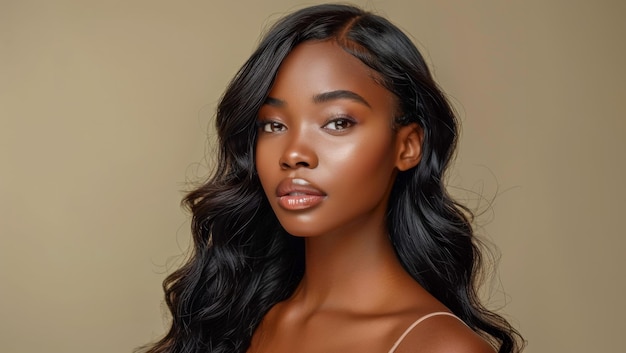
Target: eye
<point>271,126</point>
<point>339,124</point>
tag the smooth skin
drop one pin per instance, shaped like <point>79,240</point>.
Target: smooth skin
<point>327,122</point>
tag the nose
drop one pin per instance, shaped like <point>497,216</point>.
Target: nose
<point>299,153</point>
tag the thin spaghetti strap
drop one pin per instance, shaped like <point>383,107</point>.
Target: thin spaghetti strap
<point>417,322</point>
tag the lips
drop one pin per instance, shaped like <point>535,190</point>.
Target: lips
<point>298,194</point>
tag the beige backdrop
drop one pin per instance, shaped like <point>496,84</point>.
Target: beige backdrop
<point>104,109</point>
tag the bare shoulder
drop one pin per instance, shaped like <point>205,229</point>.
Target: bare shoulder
<point>443,334</point>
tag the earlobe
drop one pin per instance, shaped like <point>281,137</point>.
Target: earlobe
<point>409,142</point>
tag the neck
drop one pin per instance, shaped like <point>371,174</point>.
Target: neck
<point>351,271</point>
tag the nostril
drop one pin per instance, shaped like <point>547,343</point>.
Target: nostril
<point>298,157</point>
<point>299,164</point>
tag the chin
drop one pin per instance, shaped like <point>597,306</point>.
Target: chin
<point>303,229</point>
<point>302,232</point>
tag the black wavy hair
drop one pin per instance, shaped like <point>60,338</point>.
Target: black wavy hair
<point>243,262</point>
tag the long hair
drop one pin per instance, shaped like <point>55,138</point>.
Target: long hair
<point>243,262</point>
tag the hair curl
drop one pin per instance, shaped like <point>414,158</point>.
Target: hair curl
<point>243,262</point>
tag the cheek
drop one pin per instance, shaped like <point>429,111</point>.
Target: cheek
<point>360,173</point>
<point>267,165</point>
<point>262,163</point>
<point>366,157</point>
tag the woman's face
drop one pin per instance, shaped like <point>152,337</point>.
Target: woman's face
<point>326,152</point>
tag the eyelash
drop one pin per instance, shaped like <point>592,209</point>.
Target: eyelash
<point>269,126</point>
<point>266,126</point>
<point>349,121</point>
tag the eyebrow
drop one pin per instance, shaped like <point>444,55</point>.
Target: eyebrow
<point>274,102</point>
<point>339,94</point>
<point>323,98</point>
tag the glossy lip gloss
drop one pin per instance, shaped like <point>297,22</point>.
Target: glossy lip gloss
<point>298,194</point>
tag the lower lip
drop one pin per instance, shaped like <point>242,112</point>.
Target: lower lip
<point>299,202</point>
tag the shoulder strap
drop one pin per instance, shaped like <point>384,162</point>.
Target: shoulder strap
<point>417,322</point>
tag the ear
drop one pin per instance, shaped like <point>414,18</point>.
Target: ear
<point>409,140</point>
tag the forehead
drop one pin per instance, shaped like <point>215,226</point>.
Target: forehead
<point>323,66</point>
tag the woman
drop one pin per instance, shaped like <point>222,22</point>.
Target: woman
<point>326,226</point>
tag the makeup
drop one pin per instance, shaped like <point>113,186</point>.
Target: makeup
<point>296,194</point>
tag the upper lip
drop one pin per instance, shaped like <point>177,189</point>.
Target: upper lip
<point>297,185</point>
